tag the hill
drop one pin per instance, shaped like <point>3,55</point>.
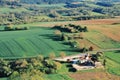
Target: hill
<point>45,1</point>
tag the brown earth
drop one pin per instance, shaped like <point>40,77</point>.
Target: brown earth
<point>94,76</point>
<point>111,31</point>
<point>84,22</point>
<point>86,43</point>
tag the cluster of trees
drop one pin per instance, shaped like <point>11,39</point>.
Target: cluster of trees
<point>71,39</point>
<point>10,28</point>
<point>45,1</point>
<point>11,3</point>
<point>106,4</point>
<point>71,28</point>
<point>75,5</point>
<point>35,13</point>
<point>37,66</point>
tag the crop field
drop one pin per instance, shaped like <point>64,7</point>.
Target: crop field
<point>30,43</point>
<point>39,40</point>
<point>58,77</point>
<point>6,10</point>
<point>113,62</point>
<point>103,33</point>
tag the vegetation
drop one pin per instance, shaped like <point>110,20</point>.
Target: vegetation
<point>113,62</point>
<point>24,68</point>
<point>15,12</point>
<point>71,28</point>
<point>10,28</point>
<point>30,43</point>
<point>27,54</point>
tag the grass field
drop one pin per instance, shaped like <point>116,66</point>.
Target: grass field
<point>30,43</point>
<point>7,10</point>
<point>113,62</point>
<point>103,33</point>
<point>58,77</point>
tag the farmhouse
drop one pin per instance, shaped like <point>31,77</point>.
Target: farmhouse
<point>82,61</point>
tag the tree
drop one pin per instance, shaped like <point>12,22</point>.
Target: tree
<point>62,54</point>
<point>40,58</point>
<point>64,37</point>
<point>104,62</point>
<point>58,34</point>
<point>90,48</point>
<point>24,63</point>
<point>57,65</point>
<point>53,14</point>
<point>14,76</point>
<point>6,70</point>
<point>8,27</point>
<point>33,75</point>
<point>81,35</point>
<point>52,55</point>
<point>84,49</point>
<point>85,29</point>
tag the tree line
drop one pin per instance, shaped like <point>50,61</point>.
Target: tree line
<point>31,67</point>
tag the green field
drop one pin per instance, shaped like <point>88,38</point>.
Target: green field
<point>113,62</point>
<point>102,41</point>
<point>58,77</point>
<point>30,43</point>
<point>7,10</point>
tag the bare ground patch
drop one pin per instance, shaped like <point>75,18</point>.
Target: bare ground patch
<point>83,22</point>
<point>86,43</point>
<point>94,76</point>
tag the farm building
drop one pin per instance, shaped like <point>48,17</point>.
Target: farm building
<point>82,61</point>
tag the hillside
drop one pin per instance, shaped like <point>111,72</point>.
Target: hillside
<point>22,12</point>
<point>61,1</point>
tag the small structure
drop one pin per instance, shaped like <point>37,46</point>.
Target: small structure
<point>83,61</point>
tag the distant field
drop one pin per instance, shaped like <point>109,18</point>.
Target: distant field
<point>52,5</point>
<point>30,43</point>
<point>6,10</point>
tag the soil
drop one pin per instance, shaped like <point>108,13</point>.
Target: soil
<point>94,76</point>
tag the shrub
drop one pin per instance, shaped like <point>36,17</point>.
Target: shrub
<point>52,55</point>
<point>8,28</point>
<point>62,54</point>
<point>26,28</point>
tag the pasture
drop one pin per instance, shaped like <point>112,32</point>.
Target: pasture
<point>58,77</point>
<point>7,10</point>
<point>30,43</point>
<point>113,62</point>
<point>40,39</point>
<point>103,33</point>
